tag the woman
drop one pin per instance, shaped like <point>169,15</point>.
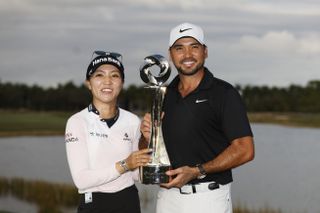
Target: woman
<point>102,143</point>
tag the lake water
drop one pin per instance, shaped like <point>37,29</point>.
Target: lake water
<point>284,174</point>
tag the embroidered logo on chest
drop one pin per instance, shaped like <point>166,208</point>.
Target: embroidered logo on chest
<point>97,134</point>
<point>126,137</point>
<point>201,100</point>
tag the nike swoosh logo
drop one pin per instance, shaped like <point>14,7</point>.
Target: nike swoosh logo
<point>201,100</point>
<point>182,30</point>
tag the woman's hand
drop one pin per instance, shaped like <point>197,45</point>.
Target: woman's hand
<point>138,158</point>
<point>134,160</point>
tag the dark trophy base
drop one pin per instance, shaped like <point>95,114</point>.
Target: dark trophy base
<point>154,174</point>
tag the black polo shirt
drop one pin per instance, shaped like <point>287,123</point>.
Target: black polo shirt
<point>201,125</point>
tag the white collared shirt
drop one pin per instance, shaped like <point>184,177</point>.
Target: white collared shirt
<point>93,150</point>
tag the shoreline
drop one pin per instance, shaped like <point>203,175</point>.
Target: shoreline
<point>17,124</point>
<point>31,133</point>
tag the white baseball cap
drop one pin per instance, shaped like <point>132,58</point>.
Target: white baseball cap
<point>186,30</point>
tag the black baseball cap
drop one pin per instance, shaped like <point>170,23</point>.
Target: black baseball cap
<point>105,58</point>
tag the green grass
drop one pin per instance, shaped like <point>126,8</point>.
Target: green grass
<point>287,119</point>
<point>16,123</point>
<point>32,123</point>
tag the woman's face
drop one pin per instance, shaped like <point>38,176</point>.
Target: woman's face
<point>105,84</point>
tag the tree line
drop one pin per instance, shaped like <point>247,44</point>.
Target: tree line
<point>65,97</point>
<point>293,98</point>
<point>70,97</point>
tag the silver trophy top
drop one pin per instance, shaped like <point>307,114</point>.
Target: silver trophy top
<point>146,75</point>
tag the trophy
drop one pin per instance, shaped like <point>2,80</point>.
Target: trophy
<point>154,171</point>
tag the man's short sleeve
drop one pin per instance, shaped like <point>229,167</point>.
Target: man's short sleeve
<point>235,120</point>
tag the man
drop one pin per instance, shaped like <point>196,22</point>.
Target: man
<point>205,128</point>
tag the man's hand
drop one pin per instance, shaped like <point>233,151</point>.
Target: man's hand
<point>145,126</point>
<point>145,129</point>
<point>181,176</point>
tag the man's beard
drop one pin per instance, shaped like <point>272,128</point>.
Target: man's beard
<point>194,71</point>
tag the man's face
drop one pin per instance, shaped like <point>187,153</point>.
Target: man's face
<point>188,55</point>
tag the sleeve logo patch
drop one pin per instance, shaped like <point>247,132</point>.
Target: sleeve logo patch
<point>69,138</point>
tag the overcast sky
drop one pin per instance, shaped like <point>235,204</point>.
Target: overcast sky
<point>273,43</point>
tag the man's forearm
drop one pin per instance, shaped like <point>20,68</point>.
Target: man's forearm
<point>239,152</point>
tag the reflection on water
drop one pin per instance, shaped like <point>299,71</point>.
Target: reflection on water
<point>283,176</point>
<point>48,197</point>
<point>57,198</point>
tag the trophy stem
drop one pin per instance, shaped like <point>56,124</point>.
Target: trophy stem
<point>156,130</point>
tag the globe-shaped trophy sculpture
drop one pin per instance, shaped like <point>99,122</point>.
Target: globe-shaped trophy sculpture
<point>154,171</point>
